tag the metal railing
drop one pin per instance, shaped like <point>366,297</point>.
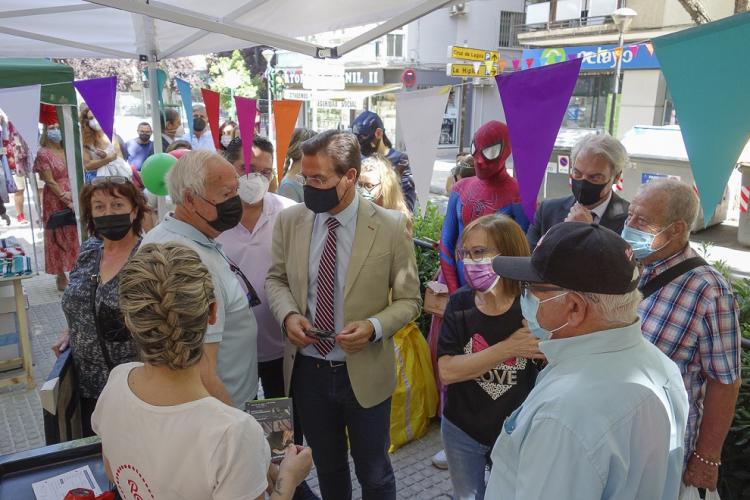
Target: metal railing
<point>603,21</point>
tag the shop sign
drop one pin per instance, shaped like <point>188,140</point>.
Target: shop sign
<point>595,57</point>
<point>363,77</point>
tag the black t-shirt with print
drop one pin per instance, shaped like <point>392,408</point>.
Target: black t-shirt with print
<point>480,406</point>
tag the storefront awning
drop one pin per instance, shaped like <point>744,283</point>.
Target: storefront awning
<point>340,99</point>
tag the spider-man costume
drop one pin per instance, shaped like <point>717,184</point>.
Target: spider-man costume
<point>491,191</point>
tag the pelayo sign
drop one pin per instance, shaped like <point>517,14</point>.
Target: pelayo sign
<point>596,57</point>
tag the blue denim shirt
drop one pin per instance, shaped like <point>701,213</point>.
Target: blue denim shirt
<point>606,420</point>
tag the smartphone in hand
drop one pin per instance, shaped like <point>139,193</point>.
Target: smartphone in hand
<point>320,334</point>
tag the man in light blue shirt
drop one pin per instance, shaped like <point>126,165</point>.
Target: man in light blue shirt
<point>204,187</point>
<point>200,137</point>
<point>607,417</point>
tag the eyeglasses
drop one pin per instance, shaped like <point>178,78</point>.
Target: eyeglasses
<point>317,181</point>
<point>490,153</point>
<point>252,296</point>
<point>476,254</point>
<point>527,287</point>
<point>109,179</point>
<point>368,187</point>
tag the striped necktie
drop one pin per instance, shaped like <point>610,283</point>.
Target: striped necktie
<point>324,317</point>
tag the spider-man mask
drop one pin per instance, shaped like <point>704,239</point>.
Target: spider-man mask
<point>490,148</point>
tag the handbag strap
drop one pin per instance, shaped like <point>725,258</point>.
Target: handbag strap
<point>94,288</point>
<point>658,282</point>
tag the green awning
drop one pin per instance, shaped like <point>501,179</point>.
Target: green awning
<point>56,79</point>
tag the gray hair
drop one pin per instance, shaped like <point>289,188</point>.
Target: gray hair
<point>605,146</point>
<point>682,202</point>
<point>616,308</point>
<point>189,174</point>
<point>199,107</point>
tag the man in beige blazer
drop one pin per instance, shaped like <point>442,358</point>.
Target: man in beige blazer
<point>342,282</point>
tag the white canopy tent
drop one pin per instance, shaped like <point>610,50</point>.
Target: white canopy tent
<point>152,30</point>
<point>174,28</point>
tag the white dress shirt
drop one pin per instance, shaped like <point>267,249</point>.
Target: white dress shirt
<point>598,212</point>
<point>344,242</point>
<point>204,142</point>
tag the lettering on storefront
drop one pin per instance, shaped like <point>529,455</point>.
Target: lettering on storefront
<point>352,78</point>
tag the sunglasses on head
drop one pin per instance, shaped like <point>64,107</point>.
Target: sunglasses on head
<point>109,179</point>
<point>252,296</point>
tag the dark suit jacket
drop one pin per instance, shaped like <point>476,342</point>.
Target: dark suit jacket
<point>551,212</point>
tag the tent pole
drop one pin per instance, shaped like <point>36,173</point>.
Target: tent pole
<point>153,89</point>
<point>28,186</point>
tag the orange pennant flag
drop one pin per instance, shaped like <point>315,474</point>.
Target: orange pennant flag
<point>501,65</point>
<point>650,48</point>
<point>285,115</point>
<point>618,52</point>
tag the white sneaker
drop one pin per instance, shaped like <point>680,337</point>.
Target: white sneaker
<point>440,460</point>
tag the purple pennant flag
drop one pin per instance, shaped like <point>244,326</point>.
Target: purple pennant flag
<point>99,94</point>
<point>246,110</point>
<point>535,102</point>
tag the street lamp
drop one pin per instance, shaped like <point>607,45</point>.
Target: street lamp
<point>622,18</point>
<point>268,55</point>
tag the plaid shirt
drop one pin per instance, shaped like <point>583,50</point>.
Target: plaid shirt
<point>693,320</point>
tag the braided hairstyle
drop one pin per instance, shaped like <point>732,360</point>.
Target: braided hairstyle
<point>165,294</point>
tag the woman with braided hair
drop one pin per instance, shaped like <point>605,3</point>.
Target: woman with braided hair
<point>163,435</point>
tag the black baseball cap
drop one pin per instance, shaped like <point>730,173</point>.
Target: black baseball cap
<point>576,256</point>
<point>365,125</point>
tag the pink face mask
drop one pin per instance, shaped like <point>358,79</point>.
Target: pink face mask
<point>479,274</point>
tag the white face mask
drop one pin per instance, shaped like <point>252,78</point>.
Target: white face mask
<point>253,187</point>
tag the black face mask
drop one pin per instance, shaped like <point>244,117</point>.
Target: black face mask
<point>199,124</point>
<point>228,214</point>
<point>321,200</point>
<point>585,192</point>
<point>144,137</point>
<point>113,227</point>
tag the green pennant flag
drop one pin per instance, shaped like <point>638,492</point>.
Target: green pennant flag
<point>708,79</point>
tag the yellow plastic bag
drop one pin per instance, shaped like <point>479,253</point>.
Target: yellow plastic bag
<point>415,398</point>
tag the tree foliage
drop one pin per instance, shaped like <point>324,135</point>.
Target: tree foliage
<point>231,76</point>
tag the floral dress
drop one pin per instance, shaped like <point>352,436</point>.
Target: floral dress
<point>90,364</point>
<point>60,245</point>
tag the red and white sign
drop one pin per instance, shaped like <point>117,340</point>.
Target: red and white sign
<point>409,78</point>
<point>744,196</point>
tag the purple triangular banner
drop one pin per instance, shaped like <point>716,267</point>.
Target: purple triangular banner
<point>99,94</point>
<point>535,102</point>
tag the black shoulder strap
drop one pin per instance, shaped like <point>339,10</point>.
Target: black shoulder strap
<point>663,279</point>
<point>94,287</point>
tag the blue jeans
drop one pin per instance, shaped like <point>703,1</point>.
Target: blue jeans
<point>467,460</point>
<point>328,412</point>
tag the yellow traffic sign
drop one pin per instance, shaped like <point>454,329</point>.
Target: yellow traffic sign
<point>468,54</point>
<point>471,71</point>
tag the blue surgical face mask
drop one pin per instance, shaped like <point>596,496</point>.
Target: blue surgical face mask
<point>530,308</point>
<point>641,241</point>
<point>54,135</point>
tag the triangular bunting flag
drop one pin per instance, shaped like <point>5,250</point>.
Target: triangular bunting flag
<point>634,50</point>
<point>21,104</point>
<point>211,101</point>
<point>618,52</point>
<point>100,94</point>
<point>246,111</point>
<point>501,65</point>
<point>516,62</point>
<point>650,48</point>
<point>420,118</point>
<point>161,80</point>
<point>285,114</point>
<point>535,102</point>
<point>714,134</point>
<point>572,56</point>
<point>476,65</point>
<point>187,101</point>
<point>529,62</point>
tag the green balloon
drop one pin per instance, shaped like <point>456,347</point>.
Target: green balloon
<point>154,172</point>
